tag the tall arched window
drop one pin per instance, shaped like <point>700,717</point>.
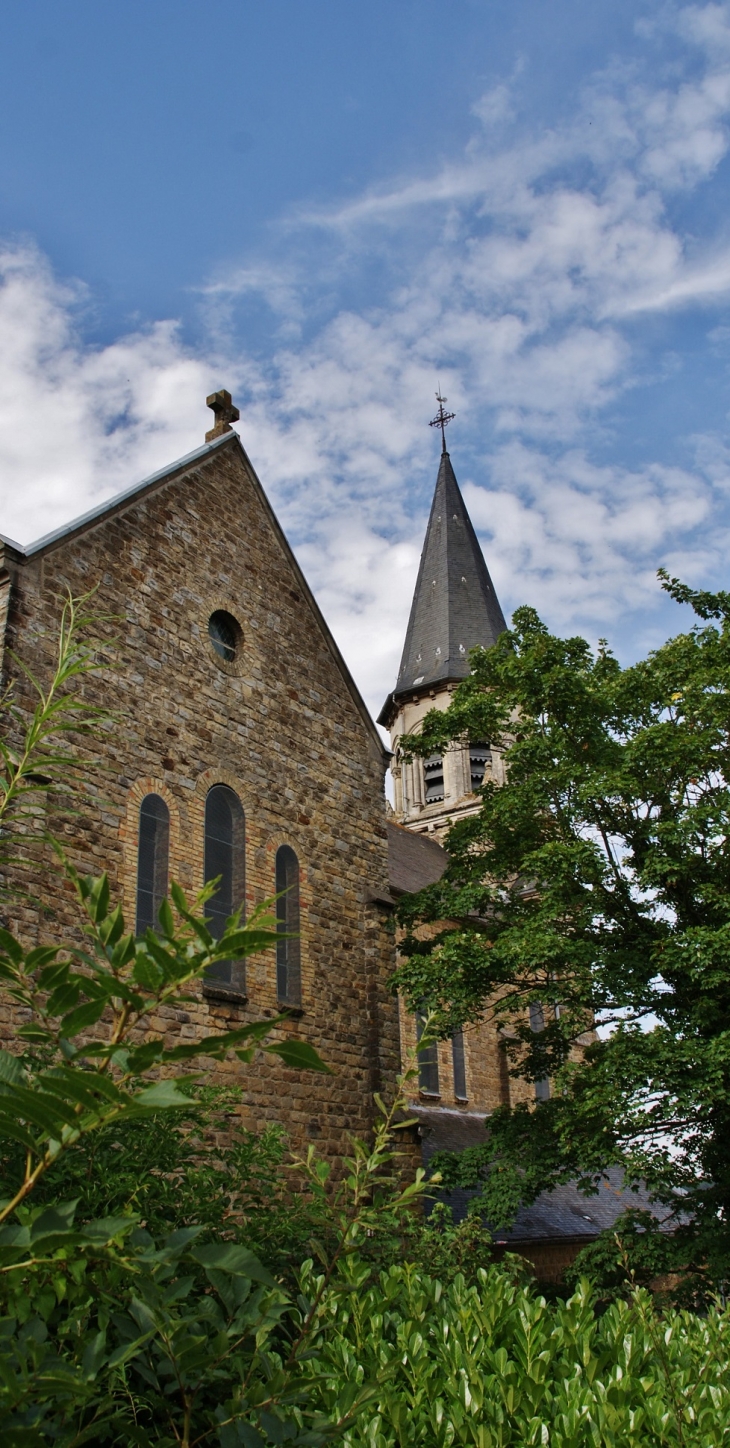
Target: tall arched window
<point>458,1056</point>
<point>225,856</point>
<point>537,1023</point>
<point>288,957</point>
<point>153,855</point>
<point>428,1061</point>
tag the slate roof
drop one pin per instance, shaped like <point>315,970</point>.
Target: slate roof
<point>564,1214</point>
<point>454,606</point>
<point>413,860</point>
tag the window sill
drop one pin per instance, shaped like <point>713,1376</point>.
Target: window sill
<point>430,1095</point>
<point>231,997</point>
<point>296,1011</point>
<point>462,1100</point>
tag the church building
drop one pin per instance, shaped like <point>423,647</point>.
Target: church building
<point>239,747</point>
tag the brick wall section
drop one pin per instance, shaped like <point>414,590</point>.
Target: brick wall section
<point>283,726</point>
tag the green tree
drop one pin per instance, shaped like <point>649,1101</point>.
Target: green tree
<point>594,887</point>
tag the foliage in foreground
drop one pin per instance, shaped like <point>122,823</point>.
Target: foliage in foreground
<point>115,1334</point>
<point>493,1365</point>
<point>595,884</point>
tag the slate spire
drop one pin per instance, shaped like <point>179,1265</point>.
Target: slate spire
<point>454,606</point>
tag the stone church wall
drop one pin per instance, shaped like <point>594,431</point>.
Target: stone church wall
<point>281,725</point>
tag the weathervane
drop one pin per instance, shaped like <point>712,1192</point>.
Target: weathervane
<point>442,419</point>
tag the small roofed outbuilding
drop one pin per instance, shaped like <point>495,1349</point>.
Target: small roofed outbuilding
<point>552,1230</point>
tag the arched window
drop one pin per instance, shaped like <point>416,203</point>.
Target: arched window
<point>458,1055</point>
<point>428,1061</point>
<point>537,1023</point>
<point>153,855</point>
<point>288,971</point>
<point>225,856</point>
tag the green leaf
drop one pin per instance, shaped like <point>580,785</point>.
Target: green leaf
<point>142,1057</point>
<point>98,898</point>
<point>298,1054</point>
<point>105,1229</point>
<point>236,1261</point>
<point>49,1112</point>
<point>11,1068</point>
<point>12,947</point>
<point>165,918</point>
<point>146,971</point>
<point>12,1130</point>
<point>82,1017</point>
<point>218,1045</point>
<point>161,1096</point>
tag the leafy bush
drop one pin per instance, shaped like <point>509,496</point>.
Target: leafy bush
<point>493,1365</point>
<point>196,1167</point>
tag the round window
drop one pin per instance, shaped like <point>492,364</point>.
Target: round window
<point>225,634</point>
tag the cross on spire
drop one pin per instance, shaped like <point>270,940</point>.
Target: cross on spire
<point>225,412</point>
<point>442,419</point>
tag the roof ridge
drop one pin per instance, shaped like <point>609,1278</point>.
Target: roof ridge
<point>93,514</point>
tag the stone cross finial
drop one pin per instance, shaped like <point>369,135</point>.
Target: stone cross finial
<point>221,403</point>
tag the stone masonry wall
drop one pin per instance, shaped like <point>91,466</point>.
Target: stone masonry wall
<point>281,726</point>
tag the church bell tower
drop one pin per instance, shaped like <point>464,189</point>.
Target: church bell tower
<point>454,609</point>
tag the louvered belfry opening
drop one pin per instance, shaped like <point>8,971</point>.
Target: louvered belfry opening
<point>433,778</point>
<point>480,758</point>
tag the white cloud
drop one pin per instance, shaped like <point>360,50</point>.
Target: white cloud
<point>525,257</point>
<point>77,423</point>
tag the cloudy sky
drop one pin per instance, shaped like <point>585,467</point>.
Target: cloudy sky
<point>329,209</point>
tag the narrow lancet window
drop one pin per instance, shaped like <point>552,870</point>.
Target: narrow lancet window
<point>458,1055</point>
<point>152,860</point>
<point>225,857</point>
<point>288,955</point>
<point>537,1023</point>
<point>428,1061</point>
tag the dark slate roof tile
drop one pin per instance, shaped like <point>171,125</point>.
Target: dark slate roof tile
<point>413,860</point>
<point>455,606</point>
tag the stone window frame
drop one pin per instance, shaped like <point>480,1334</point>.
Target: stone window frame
<point>222,603</point>
<point>196,859</point>
<point>306,975</point>
<point>129,834</point>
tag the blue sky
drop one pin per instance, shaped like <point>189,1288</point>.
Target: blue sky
<point>328,208</point>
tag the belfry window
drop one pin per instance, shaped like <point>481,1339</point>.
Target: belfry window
<point>152,860</point>
<point>433,775</point>
<point>480,756</point>
<point>288,958</point>
<point>428,1061</point>
<point>225,857</point>
<point>458,1056</point>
